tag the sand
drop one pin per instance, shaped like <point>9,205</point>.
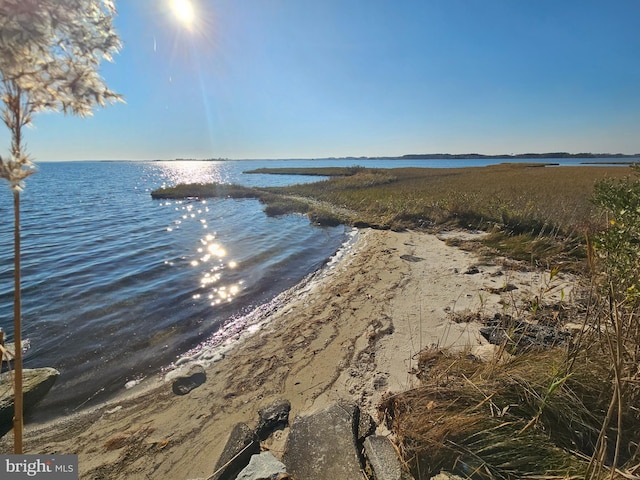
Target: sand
<point>351,333</point>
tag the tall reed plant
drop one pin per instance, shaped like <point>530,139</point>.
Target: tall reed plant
<point>50,54</point>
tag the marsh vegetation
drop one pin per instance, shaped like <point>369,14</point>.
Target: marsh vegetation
<point>534,212</point>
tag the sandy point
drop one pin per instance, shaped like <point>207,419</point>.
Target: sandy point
<point>351,333</point>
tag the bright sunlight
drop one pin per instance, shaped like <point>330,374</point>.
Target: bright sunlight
<point>184,12</point>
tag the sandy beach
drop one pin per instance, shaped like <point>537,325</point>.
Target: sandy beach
<point>351,333</point>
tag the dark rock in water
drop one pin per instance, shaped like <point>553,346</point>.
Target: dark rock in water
<point>241,445</point>
<point>36,383</point>
<point>322,445</point>
<point>193,379</point>
<point>273,417</point>
<point>262,467</point>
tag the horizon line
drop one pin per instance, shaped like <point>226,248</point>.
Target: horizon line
<point>408,156</point>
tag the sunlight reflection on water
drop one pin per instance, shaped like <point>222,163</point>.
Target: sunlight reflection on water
<point>214,254</point>
<point>185,171</point>
<point>217,282</point>
<point>210,256</point>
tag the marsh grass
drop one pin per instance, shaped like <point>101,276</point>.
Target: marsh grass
<point>317,171</point>
<point>205,190</point>
<point>278,205</point>
<point>523,416</point>
<point>523,198</point>
<point>541,211</point>
<point>553,202</point>
<point>538,250</point>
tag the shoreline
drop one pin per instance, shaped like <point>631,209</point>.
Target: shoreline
<point>210,351</point>
<point>351,333</point>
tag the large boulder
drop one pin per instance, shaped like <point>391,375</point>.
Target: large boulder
<point>323,445</point>
<point>36,383</point>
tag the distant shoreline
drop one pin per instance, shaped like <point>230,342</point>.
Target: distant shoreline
<point>438,156</point>
<point>411,156</point>
<point>622,162</point>
<point>520,156</point>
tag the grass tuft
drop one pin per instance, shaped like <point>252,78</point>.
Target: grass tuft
<point>523,417</point>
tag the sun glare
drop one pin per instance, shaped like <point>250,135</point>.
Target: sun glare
<point>184,12</point>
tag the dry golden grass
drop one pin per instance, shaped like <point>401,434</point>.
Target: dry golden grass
<point>535,213</point>
<point>523,417</point>
<point>524,198</point>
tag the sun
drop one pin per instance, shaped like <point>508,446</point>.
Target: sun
<point>184,12</point>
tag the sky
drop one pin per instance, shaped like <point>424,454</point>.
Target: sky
<point>323,78</point>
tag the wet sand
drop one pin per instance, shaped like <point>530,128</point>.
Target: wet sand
<point>351,333</point>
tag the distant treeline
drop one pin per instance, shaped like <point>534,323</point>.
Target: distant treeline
<point>446,156</point>
<point>454,156</point>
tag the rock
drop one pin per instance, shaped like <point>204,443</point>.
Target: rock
<point>10,348</point>
<point>382,458</point>
<point>194,377</point>
<point>366,426</point>
<point>473,270</point>
<point>262,467</point>
<point>36,383</point>
<point>273,417</point>
<point>486,353</point>
<point>520,336</point>
<point>411,258</point>
<point>241,445</point>
<point>322,445</point>
<point>508,287</point>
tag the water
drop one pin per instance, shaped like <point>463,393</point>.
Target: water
<point>117,285</point>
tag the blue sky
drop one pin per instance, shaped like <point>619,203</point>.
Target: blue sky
<point>320,78</point>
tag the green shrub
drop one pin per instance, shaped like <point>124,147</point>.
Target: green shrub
<point>619,244</point>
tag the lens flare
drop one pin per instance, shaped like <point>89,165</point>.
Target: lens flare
<point>184,12</point>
